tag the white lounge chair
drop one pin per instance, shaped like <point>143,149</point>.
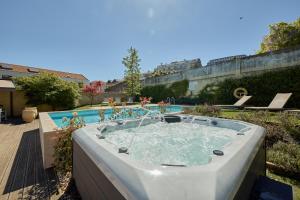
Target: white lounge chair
<point>277,103</point>
<point>238,104</point>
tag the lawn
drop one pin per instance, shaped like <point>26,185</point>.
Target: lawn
<point>234,114</point>
<point>274,118</point>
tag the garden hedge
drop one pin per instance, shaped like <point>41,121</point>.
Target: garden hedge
<point>162,92</point>
<point>263,88</point>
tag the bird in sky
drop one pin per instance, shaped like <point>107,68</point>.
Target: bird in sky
<point>241,18</point>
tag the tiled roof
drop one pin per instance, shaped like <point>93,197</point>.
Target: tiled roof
<point>26,69</point>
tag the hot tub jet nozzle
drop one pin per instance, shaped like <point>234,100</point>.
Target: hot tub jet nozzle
<point>123,150</point>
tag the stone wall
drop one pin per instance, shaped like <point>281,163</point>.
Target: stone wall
<point>250,65</point>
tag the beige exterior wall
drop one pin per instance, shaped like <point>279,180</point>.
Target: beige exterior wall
<point>5,101</point>
<point>19,102</point>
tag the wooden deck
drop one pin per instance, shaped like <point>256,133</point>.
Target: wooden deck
<point>21,169</point>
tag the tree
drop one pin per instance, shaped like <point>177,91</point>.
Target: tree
<point>282,35</point>
<point>47,88</point>
<point>93,89</point>
<point>132,73</point>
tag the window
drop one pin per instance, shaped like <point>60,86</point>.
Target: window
<point>33,70</point>
<point>6,77</point>
<point>5,66</point>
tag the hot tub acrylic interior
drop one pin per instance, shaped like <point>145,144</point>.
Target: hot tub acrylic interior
<point>196,158</point>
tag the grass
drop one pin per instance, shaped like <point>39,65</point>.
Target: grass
<point>233,114</point>
<point>294,183</point>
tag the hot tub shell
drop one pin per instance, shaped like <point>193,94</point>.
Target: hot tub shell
<point>100,172</point>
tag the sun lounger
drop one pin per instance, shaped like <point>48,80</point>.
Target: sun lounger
<point>277,103</point>
<point>238,104</point>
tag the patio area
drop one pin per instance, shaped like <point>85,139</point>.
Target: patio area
<point>22,175</point>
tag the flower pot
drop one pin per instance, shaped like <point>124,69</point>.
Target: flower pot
<point>28,115</point>
<point>34,109</point>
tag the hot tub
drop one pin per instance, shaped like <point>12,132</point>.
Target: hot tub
<point>196,158</point>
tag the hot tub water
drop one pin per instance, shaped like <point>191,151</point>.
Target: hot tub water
<point>172,143</point>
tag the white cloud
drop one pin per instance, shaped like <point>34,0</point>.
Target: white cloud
<point>150,13</point>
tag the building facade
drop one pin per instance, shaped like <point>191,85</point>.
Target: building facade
<point>13,101</point>
<point>9,71</point>
<point>180,65</point>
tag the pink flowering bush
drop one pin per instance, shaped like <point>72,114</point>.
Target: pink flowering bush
<point>145,100</point>
<point>93,89</point>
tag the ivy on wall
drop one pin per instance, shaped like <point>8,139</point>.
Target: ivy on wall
<point>162,92</point>
<point>262,87</point>
<point>179,88</point>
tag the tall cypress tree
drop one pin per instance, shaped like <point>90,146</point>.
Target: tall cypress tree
<point>132,73</point>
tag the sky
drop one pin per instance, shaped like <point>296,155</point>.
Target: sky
<point>92,36</point>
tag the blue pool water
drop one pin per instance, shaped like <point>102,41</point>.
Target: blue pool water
<point>92,116</point>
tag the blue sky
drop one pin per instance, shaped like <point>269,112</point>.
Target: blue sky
<point>92,36</point>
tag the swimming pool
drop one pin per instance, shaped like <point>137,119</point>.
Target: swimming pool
<point>92,116</point>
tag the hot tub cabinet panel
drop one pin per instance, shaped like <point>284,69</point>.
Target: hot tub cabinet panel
<point>100,172</point>
<point>256,169</point>
<point>90,180</point>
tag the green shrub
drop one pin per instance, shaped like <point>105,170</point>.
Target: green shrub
<point>263,88</point>
<point>208,95</point>
<point>187,100</point>
<point>157,92</point>
<point>286,156</point>
<point>290,124</point>
<point>47,88</point>
<point>206,110</point>
<point>162,92</point>
<point>179,88</point>
<point>274,132</point>
<point>63,150</point>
